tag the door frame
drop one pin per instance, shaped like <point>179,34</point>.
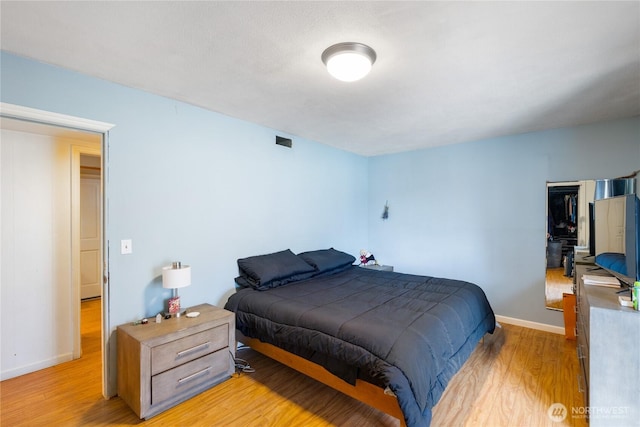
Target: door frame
<point>585,196</point>
<point>62,120</point>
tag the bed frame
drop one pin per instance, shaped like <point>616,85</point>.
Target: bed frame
<point>363,391</point>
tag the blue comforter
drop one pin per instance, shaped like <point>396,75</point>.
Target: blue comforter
<point>406,332</point>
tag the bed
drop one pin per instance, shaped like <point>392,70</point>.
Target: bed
<point>389,339</point>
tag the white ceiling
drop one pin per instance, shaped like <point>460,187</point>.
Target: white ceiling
<point>447,72</point>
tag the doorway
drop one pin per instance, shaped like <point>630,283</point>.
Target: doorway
<point>567,234</point>
<point>90,226</point>
<point>70,138</point>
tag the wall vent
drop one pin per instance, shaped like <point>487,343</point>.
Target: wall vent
<point>285,142</point>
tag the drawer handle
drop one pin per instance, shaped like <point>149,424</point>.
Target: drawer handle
<point>579,351</point>
<point>192,376</point>
<point>580,388</point>
<point>194,348</point>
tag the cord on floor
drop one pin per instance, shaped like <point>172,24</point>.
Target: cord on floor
<point>241,365</point>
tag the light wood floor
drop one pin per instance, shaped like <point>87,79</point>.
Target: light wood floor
<point>556,284</point>
<point>510,380</point>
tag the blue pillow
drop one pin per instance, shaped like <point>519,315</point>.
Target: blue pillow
<point>271,270</point>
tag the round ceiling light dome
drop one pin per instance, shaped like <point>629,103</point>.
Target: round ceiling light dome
<point>349,61</point>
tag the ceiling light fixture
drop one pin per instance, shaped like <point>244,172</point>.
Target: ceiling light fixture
<point>349,61</point>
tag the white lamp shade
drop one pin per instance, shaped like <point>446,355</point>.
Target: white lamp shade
<point>173,278</point>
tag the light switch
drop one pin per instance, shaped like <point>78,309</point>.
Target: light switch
<point>125,247</point>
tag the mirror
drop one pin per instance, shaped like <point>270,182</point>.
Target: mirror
<point>567,235</point>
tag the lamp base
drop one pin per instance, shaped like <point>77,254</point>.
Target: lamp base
<point>174,306</point>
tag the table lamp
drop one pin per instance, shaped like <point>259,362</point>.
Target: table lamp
<point>173,277</point>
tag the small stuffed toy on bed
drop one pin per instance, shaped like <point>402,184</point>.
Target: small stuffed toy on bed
<point>367,258</point>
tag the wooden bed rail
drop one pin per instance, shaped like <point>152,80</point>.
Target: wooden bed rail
<point>363,391</point>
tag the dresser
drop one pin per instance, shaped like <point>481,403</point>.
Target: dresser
<point>163,364</point>
<point>608,347</point>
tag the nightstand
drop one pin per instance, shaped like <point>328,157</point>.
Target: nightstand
<point>378,267</point>
<point>163,364</point>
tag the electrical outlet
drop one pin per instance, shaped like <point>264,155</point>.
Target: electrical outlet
<point>125,247</point>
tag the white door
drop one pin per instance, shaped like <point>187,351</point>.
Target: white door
<point>90,245</point>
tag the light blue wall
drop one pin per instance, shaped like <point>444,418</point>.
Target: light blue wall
<point>477,211</point>
<point>191,185</point>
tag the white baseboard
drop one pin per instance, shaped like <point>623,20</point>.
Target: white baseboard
<point>26,369</point>
<point>529,324</point>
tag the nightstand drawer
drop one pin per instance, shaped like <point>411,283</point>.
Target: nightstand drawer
<point>188,376</point>
<point>183,350</point>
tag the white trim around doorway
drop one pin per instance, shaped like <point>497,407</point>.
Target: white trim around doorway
<point>62,120</point>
